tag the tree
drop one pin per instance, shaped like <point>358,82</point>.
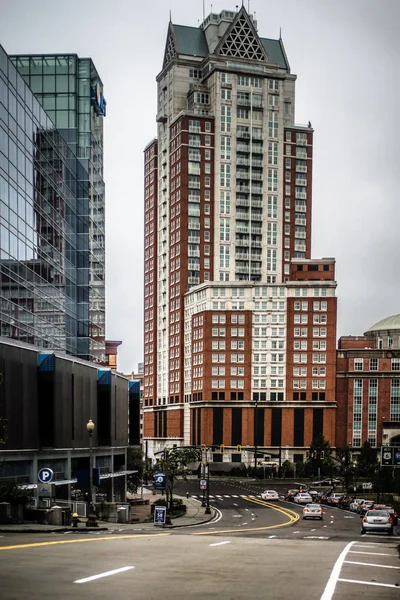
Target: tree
<point>367,461</point>
<point>134,463</point>
<point>320,455</point>
<point>175,464</point>
<point>345,462</point>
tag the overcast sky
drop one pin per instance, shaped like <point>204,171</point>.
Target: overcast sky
<point>346,55</point>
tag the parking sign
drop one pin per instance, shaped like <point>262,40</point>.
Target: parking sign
<point>45,475</point>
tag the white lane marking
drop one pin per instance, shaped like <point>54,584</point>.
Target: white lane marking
<point>373,553</point>
<point>105,574</point>
<point>211,497</point>
<point>325,525</point>
<point>235,504</point>
<point>334,576</point>
<point>369,583</point>
<point>271,537</point>
<point>315,537</point>
<point>348,517</point>
<point>233,496</point>
<point>219,543</point>
<point>244,523</point>
<point>247,509</point>
<point>331,523</point>
<point>250,496</point>
<point>225,496</point>
<point>237,516</point>
<point>313,530</point>
<point>296,531</point>
<point>353,562</point>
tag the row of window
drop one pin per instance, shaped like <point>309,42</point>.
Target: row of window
<point>359,364</point>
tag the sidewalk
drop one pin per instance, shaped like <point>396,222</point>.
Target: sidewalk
<point>195,515</point>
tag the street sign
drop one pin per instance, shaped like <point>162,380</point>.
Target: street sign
<point>367,486</point>
<point>46,490</point>
<point>160,513</point>
<point>387,456</point>
<point>203,484</point>
<point>45,475</point>
<point>159,481</point>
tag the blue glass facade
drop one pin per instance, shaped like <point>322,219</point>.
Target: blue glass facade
<point>70,91</point>
<point>44,225</point>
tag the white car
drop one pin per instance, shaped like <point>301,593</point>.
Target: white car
<point>270,495</point>
<point>303,498</point>
<point>313,511</point>
<point>355,503</point>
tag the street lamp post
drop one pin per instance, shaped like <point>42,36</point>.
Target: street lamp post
<point>255,434</point>
<point>91,521</point>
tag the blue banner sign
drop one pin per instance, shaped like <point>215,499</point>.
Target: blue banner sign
<point>159,481</point>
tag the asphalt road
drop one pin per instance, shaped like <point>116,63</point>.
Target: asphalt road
<point>251,549</point>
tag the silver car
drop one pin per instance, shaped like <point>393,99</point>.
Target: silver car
<point>313,511</point>
<point>377,520</point>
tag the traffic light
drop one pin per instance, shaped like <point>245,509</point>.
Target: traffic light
<point>221,448</point>
<point>238,448</point>
<point>322,454</point>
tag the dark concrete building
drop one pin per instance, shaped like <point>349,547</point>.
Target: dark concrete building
<point>47,399</point>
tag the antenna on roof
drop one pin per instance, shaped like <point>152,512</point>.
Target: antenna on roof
<point>204,10</point>
<point>248,6</point>
<point>170,16</point>
<point>280,33</point>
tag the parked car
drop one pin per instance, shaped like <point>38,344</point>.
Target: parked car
<point>313,493</point>
<point>313,511</point>
<point>345,501</point>
<point>326,482</point>
<point>270,495</point>
<point>377,520</point>
<point>291,494</point>
<point>302,498</point>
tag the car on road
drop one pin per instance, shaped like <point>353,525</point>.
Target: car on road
<point>302,498</point>
<point>326,482</point>
<point>377,520</point>
<point>364,507</point>
<point>290,494</point>
<point>270,495</point>
<point>353,506</point>
<point>333,499</point>
<point>391,511</point>
<point>313,511</point>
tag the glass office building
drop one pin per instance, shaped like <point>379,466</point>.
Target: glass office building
<point>48,240</point>
<point>70,91</point>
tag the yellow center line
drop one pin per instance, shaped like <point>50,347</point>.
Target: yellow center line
<point>97,539</point>
<point>293,517</point>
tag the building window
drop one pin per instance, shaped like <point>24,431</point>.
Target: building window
<point>358,364</point>
<point>395,400</point>
<point>395,364</point>
<point>373,364</point>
